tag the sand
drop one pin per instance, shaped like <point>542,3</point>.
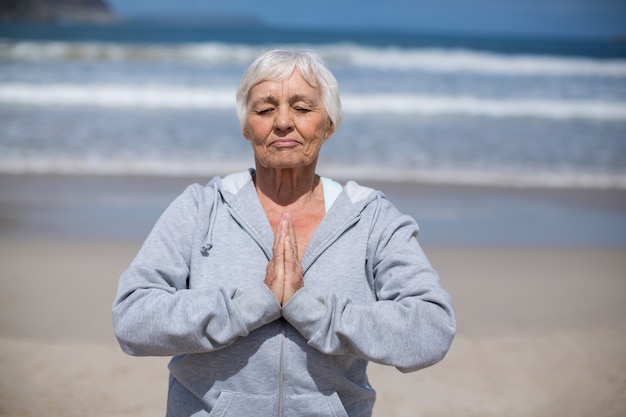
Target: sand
<point>541,332</point>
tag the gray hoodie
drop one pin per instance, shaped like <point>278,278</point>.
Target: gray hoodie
<point>195,291</point>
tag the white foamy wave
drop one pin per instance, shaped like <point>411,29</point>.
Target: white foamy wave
<point>387,58</point>
<point>200,167</point>
<point>216,53</point>
<point>473,106</point>
<point>117,96</point>
<point>459,61</point>
<point>120,96</point>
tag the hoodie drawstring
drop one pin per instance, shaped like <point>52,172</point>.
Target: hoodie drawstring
<point>209,239</point>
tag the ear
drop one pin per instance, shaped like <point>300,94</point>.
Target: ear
<point>246,134</point>
<point>329,130</point>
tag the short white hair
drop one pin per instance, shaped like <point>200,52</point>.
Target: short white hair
<point>277,65</point>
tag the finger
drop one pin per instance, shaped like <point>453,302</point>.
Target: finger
<point>291,253</point>
<point>272,277</point>
<point>290,244</point>
<point>275,271</point>
<point>293,270</point>
<point>280,227</point>
<point>291,231</point>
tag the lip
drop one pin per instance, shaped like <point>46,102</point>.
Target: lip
<point>285,143</point>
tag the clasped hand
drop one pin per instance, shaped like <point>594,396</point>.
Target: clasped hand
<point>283,274</point>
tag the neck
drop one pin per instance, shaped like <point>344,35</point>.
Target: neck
<point>288,185</point>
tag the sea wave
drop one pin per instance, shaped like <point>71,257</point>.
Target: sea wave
<point>186,167</point>
<point>351,55</point>
<point>161,97</point>
<point>117,96</point>
<point>475,106</point>
<point>466,61</point>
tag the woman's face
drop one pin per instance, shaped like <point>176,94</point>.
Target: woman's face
<point>286,122</point>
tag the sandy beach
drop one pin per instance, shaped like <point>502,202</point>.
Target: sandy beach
<point>541,326</point>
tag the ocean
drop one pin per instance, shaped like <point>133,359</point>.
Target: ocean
<point>146,98</point>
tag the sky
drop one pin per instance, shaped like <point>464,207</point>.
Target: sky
<point>578,18</point>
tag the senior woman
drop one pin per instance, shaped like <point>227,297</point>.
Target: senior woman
<point>273,288</point>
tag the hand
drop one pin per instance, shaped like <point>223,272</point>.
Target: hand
<point>283,274</point>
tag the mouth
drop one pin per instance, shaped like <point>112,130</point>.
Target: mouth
<point>285,143</point>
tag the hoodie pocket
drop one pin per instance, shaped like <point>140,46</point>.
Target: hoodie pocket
<point>315,405</point>
<point>233,404</point>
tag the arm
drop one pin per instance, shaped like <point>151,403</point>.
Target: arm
<point>155,314</point>
<point>410,326</point>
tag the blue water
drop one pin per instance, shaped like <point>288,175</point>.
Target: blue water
<point>148,98</point>
<point>172,32</point>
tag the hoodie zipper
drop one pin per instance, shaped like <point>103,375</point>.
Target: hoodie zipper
<point>283,336</point>
<point>322,248</point>
<point>281,364</point>
<point>281,372</point>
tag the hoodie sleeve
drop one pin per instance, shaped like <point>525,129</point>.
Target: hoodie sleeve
<point>155,314</point>
<point>411,324</point>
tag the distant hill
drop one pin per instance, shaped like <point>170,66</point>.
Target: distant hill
<point>55,10</point>
<point>202,19</point>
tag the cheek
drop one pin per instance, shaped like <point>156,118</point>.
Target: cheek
<point>320,130</point>
<point>254,129</point>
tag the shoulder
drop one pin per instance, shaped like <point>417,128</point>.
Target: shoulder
<point>196,193</point>
<point>386,219</point>
<point>370,199</point>
<point>360,194</point>
<point>230,184</point>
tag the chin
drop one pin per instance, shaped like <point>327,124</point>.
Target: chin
<point>288,163</point>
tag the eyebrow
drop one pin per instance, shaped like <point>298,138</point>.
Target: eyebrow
<point>306,99</point>
<point>294,99</point>
<point>263,100</point>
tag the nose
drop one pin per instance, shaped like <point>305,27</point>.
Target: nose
<point>283,121</point>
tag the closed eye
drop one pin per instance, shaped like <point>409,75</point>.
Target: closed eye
<point>263,112</point>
